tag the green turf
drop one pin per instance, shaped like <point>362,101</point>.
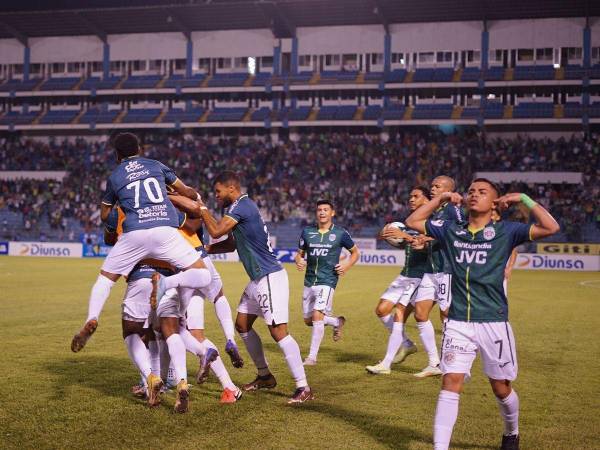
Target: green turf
<point>53,398</point>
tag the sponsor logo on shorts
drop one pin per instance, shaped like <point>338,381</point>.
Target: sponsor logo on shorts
<point>448,345</point>
<point>449,357</point>
<point>489,233</point>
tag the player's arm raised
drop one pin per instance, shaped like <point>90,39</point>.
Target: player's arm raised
<point>545,225</point>
<point>188,206</point>
<point>183,189</point>
<point>214,228</point>
<point>417,219</point>
<point>226,246</point>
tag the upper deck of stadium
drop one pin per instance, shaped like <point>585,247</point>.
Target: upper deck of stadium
<point>298,63</point>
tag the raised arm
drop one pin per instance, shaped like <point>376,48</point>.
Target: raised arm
<point>105,210</point>
<point>417,219</point>
<point>214,228</point>
<point>545,225</point>
<point>188,206</point>
<point>226,246</point>
<point>183,189</point>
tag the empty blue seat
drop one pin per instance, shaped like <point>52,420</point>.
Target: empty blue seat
<point>573,110</point>
<point>494,74</point>
<point>470,74</point>
<point>227,79</point>
<point>141,115</point>
<point>372,112</point>
<point>234,114</point>
<point>94,115</point>
<point>261,114</point>
<point>435,111</point>
<point>59,117</point>
<point>17,118</point>
<point>396,76</point>
<point>393,112</point>
<point>141,82</point>
<point>533,110</point>
<point>180,115</point>
<point>59,84</point>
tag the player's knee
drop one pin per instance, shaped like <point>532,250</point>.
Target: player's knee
<point>501,388</point>
<point>382,309</point>
<point>421,315</point>
<point>242,327</point>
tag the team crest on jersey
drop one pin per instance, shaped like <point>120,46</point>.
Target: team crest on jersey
<point>332,237</point>
<point>489,233</point>
<point>449,357</point>
<point>133,166</point>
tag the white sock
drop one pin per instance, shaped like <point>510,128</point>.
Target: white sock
<point>192,344</point>
<point>317,336</point>
<point>223,312</point>
<point>177,354</point>
<point>138,353</point>
<point>98,296</point>
<point>154,350</point>
<point>190,278</point>
<point>445,417</point>
<point>165,358</point>
<point>427,335</point>
<point>331,321</point>
<point>218,368</point>
<point>255,349</point>
<point>294,360</point>
<point>394,343</point>
<point>509,410</point>
<point>388,321</point>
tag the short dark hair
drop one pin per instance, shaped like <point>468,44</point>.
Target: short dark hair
<point>325,202</point>
<point>227,177</point>
<point>126,145</point>
<point>493,185</point>
<point>423,189</point>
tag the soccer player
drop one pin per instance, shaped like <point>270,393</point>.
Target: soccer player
<point>400,292</point>
<point>139,186</point>
<point>267,293</point>
<point>434,285</point>
<point>476,253</point>
<point>322,245</point>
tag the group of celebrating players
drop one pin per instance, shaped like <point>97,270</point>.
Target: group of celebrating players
<point>455,256</point>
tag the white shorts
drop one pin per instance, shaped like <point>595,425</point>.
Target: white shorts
<point>401,290</point>
<point>211,291</point>
<point>164,243</point>
<point>136,303</point>
<point>435,286</point>
<point>174,303</point>
<point>494,340</point>
<point>317,298</point>
<point>195,313</point>
<point>267,297</point>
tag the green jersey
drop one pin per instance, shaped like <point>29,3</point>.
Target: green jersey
<point>449,211</point>
<point>476,260</point>
<point>416,263</point>
<point>323,249</point>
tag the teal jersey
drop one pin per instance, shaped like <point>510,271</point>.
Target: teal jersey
<point>416,263</point>
<point>476,260</point>
<point>323,251</point>
<point>451,212</point>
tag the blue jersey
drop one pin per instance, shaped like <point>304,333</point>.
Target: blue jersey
<point>450,212</point>
<point>252,239</point>
<point>138,185</point>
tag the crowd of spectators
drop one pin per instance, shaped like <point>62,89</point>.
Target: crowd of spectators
<point>367,179</point>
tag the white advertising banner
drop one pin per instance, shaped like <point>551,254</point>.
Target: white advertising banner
<point>225,257</point>
<point>533,261</point>
<point>57,249</point>
<point>381,258</point>
<point>365,243</point>
<point>533,177</point>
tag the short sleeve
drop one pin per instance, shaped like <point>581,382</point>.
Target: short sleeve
<point>518,233</point>
<point>302,241</point>
<point>347,241</point>
<point>112,222</point>
<point>109,197</point>
<point>170,176</point>
<point>181,218</point>
<point>455,213</point>
<point>436,228</point>
<point>236,212</point>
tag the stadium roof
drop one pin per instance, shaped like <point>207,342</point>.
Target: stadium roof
<point>24,19</point>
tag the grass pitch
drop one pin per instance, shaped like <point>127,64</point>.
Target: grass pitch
<point>53,398</point>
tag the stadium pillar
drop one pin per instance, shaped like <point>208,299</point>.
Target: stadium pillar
<point>387,52</point>
<point>587,45</point>
<point>294,56</point>
<point>189,56</point>
<point>485,53</point>
<point>26,62</point>
<point>277,59</point>
<point>105,60</point>
<point>587,62</point>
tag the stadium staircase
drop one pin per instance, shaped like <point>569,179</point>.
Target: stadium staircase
<point>359,114</point>
<point>162,114</point>
<point>315,78</point>
<point>559,112</point>
<point>39,85</point>
<point>77,117</point>
<point>457,76</point>
<point>120,83</point>
<point>360,79</point>
<point>408,113</point>
<point>36,121</point>
<point>161,83</point>
<point>206,81</point>
<point>312,116</point>
<point>457,112</point>
<point>559,73</point>
<point>78,85</point>
<point>120,116</point>
<point>249,82</point>
<point>248,115</point>
<point>508,112</point>
<point>409,77</point>
<point>204,116</point>
<point>509,74</point>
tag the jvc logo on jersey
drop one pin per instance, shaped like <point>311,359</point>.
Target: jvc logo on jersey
<point>319,252</point>
<point>471,256</point>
